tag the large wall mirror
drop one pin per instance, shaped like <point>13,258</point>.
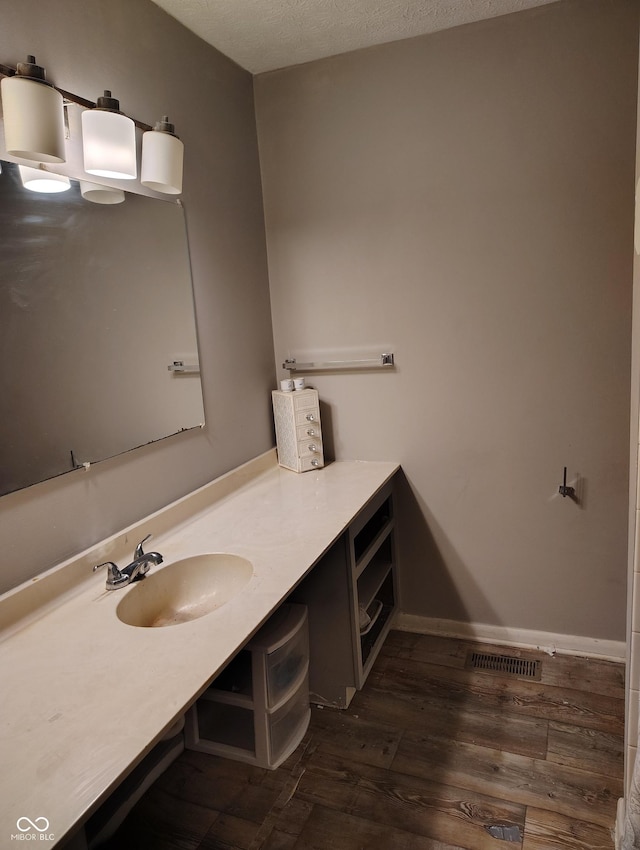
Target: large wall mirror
<point>96,304</point>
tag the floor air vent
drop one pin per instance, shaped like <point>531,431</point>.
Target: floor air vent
<point>503,665</point>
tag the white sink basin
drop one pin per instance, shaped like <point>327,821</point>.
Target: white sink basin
<point>184,590</point>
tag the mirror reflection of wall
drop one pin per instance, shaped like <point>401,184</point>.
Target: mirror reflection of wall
<point>95,304</point>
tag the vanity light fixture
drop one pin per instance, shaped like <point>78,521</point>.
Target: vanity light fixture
<point>100,194</point>
<point>33,115</point>
<point>34,129</point>
<point>109,140</point>
<point>41,180</point>
<point>162,157</point>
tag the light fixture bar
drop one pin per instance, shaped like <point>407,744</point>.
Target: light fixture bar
<point>70,97</point>
<point>109,144</point>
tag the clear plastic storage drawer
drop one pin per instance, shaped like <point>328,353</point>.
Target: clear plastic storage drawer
<point>285,721</point>
<point>257,709</point>
<point>286,666</point>
<point>284,648</point>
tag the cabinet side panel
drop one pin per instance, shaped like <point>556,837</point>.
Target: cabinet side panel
<point>325,591</point>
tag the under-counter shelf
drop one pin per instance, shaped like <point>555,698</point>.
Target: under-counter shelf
<point>374,546</point>
<point>368,581</point>
<point>371,640</point>
<point>235,684</point>
<point>369,531</point>
<point>221,728</point>
<point>372,578</point>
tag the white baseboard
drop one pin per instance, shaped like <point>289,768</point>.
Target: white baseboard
<point>609,650</point>
<point>618,834</point>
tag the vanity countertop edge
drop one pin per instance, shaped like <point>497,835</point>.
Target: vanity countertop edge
<point>86,697</point>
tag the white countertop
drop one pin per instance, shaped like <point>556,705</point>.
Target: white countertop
<point>85,697</point>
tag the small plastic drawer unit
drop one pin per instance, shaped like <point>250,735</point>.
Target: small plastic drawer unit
<point>298,432</point>
<point>257,710</point>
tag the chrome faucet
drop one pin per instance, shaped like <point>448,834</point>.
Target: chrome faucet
<point>137,569</point>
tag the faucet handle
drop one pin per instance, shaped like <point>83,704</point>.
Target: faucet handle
<point>109,564</point>
<point>139,552</point>
<point>114,577</point>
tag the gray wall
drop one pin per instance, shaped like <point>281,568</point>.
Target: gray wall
<point>467,197</point>
<point>155,67</point>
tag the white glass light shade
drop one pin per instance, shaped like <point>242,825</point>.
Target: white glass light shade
<point>38,180</point>
<point>99,194</point>
<point>33,120</point>
<point>162,158</point>
<point>109,144</point>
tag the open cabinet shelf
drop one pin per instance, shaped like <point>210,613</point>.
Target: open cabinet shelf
<point>372,579</point>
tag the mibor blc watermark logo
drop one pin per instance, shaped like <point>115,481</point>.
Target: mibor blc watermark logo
<point>32,830</point>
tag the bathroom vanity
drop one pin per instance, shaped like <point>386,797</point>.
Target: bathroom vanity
<point>86,696</point>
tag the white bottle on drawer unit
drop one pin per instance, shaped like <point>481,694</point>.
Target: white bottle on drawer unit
<point>298,431</point>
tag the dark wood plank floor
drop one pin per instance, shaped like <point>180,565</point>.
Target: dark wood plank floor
<point>430,756</point>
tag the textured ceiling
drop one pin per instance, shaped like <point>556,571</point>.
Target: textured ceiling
<point>261,35</point>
